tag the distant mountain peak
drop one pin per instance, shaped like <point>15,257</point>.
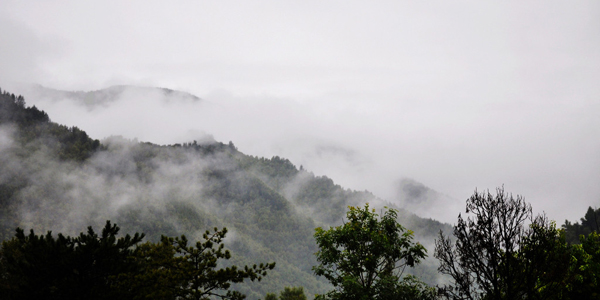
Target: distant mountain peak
<point>418,198</point>
<point>106,96</point>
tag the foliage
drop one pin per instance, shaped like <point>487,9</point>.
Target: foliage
<point>171,269</point>
<point>589,223</point>
<point>364,258</point>
<point>496,256</point>
<point>45,267</point>
<point>68,143</point>
<point>292,293</point>
<point>104,267</point>
<point>584,272</point>
<point>288,293</point>
<point>270,296</point>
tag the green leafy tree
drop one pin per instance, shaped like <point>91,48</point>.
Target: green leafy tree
<point>365,257</point>
<point>584,272</point>
<point>172,269</point>
<point>584,275</point>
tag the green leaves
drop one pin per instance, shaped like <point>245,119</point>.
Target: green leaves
<point>504,252</point>
<point>93,266</point>
<point>589,223</point>
<point>365,257</point>
<point>46,267</point>
<point>174,269</point>
<point>584,273</point>
<point>288,293</point>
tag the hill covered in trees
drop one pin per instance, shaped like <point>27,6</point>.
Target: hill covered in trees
<point>58,178</point>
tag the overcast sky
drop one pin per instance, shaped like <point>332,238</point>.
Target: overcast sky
<point>457,95</point>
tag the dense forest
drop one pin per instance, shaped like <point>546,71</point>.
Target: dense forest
<point>56,181</point>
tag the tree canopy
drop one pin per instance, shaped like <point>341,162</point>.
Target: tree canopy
<point>63,267</point>
<point>503,252</point>
<point>172,269</point>
<point>365,257</point>
<point>588,224</point>
<point>288,293</point>
<point>93,266</point>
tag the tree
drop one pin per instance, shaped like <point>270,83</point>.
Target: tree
<point>93,266</point>
<point>45,267</point>
<point>585,269</point>
<point>288,293</point>
<point>270,296</point>
<point>171,269</point>
<point>497,256</point>
<point>365,257</point>
<point>292,293</point>
<point>589,223</point>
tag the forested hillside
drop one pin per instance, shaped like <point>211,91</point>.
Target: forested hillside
<point>58,178</point>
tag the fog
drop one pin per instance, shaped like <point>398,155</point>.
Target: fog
<point>455,96</point>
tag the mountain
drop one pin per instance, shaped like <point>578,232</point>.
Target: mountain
<point>109,95</point>
<point>424,201</point>
<point>57,178</point>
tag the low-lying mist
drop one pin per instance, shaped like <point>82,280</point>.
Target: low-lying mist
<point>540,152</point>
<point>269,205</point>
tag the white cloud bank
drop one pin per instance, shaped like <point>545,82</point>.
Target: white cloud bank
<point>455,95</point>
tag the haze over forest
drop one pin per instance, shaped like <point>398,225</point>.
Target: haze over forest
<point>456,96</point>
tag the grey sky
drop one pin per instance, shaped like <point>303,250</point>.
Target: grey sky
<point>455,94</point>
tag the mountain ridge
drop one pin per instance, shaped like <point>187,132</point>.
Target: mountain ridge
<point>58,178</point>
<point>106,96</point>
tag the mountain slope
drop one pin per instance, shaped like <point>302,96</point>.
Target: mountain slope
<point>57,178</point>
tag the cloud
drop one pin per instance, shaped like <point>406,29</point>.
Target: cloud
<point>450,149</point>
<point>456,96</point>
<point>21,53</point>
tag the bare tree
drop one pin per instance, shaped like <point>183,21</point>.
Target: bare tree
<point>498,251</point>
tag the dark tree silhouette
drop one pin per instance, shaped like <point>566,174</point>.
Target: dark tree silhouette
<point>497,255</point>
